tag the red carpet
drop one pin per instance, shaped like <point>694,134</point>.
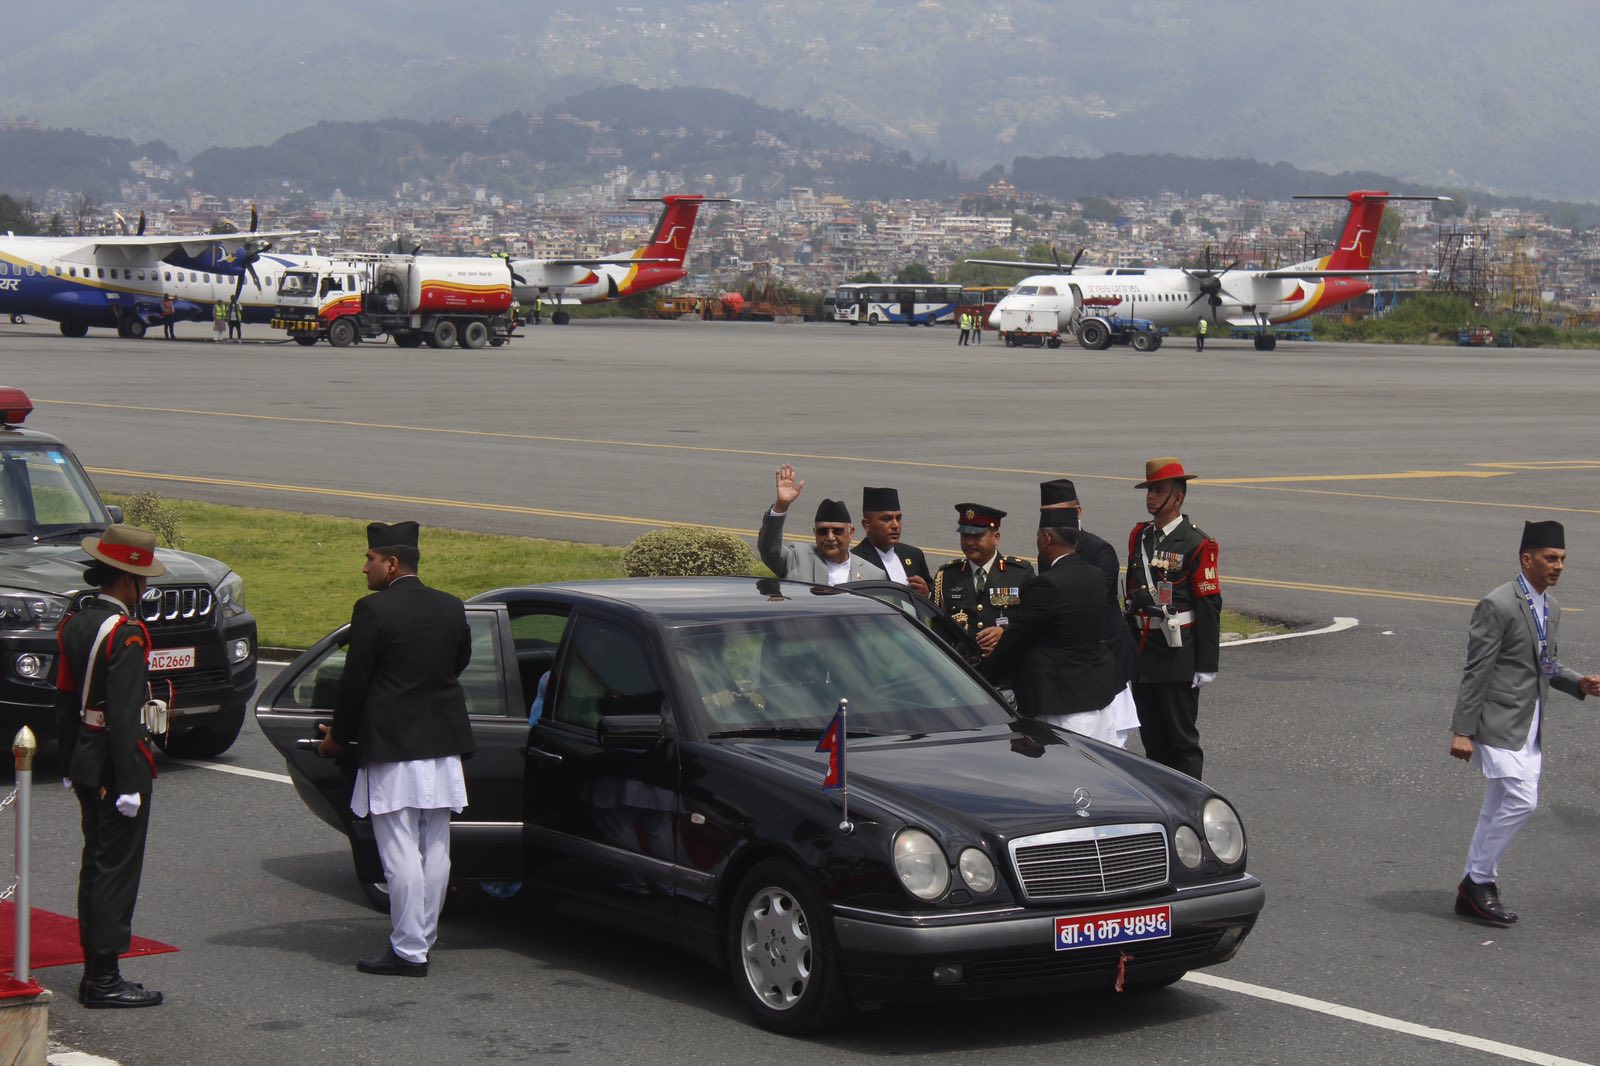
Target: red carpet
<point>55,940</point>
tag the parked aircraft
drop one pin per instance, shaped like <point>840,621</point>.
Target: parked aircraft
<point>598,279</point>
<point>117,282</point>
<point>1171,296</point>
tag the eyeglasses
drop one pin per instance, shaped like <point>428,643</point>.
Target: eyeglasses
<point>833,531</point>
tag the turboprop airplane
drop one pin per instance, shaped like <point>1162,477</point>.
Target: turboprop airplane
<point>117,282</point>
<point>596,280</point>
<point>1168,296</point>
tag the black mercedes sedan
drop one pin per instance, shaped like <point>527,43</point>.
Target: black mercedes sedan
<point>672,785</point>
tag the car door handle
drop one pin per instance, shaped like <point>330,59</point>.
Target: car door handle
<point>542,755</point>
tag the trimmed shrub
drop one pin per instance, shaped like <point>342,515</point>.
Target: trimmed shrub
<point>149,511</point>
<point>688,551</point>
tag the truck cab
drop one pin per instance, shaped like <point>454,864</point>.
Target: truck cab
<point>203,640</point>
<point>312,297</point>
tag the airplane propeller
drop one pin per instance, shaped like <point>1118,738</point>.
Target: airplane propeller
<point>249,252</point>
<point>1210,284</point>
<point>1070,267</point>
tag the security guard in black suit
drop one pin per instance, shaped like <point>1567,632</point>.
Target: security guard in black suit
<point>978,591</point>
<point>102,686</point>
<point>1063,494</point>
<point>1174,607</point>
<point>881,519</point>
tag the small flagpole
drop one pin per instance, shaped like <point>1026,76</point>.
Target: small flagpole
<point>844,774</point>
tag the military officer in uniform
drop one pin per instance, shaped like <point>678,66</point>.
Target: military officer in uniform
<point>881,521</point>
<point>979,590</point>
<point>102,685</point>
<point>1174,608</point>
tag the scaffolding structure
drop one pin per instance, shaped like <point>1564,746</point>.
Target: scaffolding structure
<point>1519,281</point>
<point>1465,264</point>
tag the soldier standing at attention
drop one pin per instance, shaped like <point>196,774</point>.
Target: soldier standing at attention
<point>979,590</point>
<point>102,684</point>
<point>1174,605</point>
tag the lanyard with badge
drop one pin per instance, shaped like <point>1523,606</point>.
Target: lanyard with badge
<point>1547,654</point>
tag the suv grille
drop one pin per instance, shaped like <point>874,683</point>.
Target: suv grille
<point>1100,860</point>
<point>177,605</point>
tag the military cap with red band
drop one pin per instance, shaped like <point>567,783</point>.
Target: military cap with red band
<point>976,518</point>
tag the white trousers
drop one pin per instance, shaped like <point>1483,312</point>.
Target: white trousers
<point>1508,802</point>
<point>414,845</point>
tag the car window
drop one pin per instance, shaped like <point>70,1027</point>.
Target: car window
<point>536,631</point>
<point>317,687</point>
<point>607,671</point>
<point>791,672</point>
<point>41,486</point>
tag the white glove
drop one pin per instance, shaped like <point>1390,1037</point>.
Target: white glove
<point>128,806</point>
<point>66,783</point>
<point>1202,679</point>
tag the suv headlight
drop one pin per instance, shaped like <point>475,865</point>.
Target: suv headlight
<point>921,864</point>
<point>21,609</point>
<point>230,595</point>
<point>1224,832</point>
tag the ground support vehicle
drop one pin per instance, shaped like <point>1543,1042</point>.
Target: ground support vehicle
<point>672,786</point>
<point>1266,338</point>
<point>1474,336</point>
<point>203,641</point>
<point>1099,332</point>
<point>1024,324</point>
<point>439,300</point>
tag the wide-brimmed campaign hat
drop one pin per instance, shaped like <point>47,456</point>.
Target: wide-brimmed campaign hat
<point>1163,468</point>
<point>126,548</point>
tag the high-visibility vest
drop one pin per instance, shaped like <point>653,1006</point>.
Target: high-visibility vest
<point>1202,327</point>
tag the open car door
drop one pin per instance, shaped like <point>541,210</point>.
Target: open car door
<point>923,610</point>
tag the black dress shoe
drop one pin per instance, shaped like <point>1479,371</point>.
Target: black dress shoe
<point>1482,902</point>
<point>391,965</point>
<point>98,993</point>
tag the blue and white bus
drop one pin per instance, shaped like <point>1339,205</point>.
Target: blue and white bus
<point>911,305</point>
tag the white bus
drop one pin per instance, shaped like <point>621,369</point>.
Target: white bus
<point>875,302</point>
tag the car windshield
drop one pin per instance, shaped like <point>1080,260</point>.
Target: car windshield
<point>44,491</point>
<point>787,675</point>
<point>297,283</point>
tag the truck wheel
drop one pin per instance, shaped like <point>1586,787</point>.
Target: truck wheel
<point>443,335</point>
<point>560,318</point>
<point>1053,342</point>
<point>474,335</point>
<point>209,740</point>
<point>305,340</point>
<point>1143,342</point>
<point>342,333</point>
<point>408,340</point>
<point>1093,336</point>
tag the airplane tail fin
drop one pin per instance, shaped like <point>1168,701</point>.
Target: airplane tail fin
<point>1359,238</point>
<point>676,226</point>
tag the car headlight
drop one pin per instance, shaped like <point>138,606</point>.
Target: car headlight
<point>21,609</point>
<point>976,870</point>
<point>1186,842</point>
<point>1224,832</point>
<point>230,595</point>
<point>921,864</point>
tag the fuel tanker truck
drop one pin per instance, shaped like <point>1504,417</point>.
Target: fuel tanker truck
<point>443,300</point>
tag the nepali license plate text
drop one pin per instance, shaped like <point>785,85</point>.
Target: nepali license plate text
<point>171,659</point>
<point>1113,927</point>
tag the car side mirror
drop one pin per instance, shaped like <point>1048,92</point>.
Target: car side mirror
<point>115,512</point>
<point>635,732</point>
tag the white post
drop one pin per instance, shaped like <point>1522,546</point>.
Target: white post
<point>23,748</point>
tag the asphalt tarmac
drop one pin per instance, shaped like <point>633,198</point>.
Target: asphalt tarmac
<point>1386,484</point>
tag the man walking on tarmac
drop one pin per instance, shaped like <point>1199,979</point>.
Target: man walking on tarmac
<point>1200,335</point>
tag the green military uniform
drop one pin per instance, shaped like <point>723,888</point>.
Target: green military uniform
<point>957,590</point>
<point>956,594</point>
<point>1174,608</point>
<point>107,756</point>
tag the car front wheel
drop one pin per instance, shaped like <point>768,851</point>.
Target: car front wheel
<point>781,952</point>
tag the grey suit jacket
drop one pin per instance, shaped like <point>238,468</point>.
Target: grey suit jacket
<point>801,563</point>
<point>1502,679</point>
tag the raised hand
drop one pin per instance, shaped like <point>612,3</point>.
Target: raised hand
<point>788,488</point>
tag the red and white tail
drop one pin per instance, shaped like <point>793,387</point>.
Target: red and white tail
<point>676,226</point>
<point>1359,237</point>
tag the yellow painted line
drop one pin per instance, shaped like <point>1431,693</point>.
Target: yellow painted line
<point>1397,476</point>
<point>793,455</point>
<point>1547,464</point>
<point>633,520</point>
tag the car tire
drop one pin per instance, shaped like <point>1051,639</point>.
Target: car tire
<point>782,955</point>
<point>209,740</point>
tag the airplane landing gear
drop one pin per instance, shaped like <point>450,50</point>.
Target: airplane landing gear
<point>560,318</point>
<point>74,329</point>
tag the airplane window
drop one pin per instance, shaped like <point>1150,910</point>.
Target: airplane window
<point>141,275</point>
<point>1047,290</point>
<point>168,275</point>
<point>72,272</point>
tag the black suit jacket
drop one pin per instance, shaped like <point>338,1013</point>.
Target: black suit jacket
<point>1052,652</point>
<point>910,557</point>
<point>1096,550</point>
<point>399,698</point>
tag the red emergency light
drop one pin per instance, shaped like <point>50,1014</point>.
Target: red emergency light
<point>15,407</point>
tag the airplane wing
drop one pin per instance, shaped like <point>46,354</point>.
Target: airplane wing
<point>193,243</point>
<point>1312,274</point>
<point>611,260</point>
<point>1019,264</point>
